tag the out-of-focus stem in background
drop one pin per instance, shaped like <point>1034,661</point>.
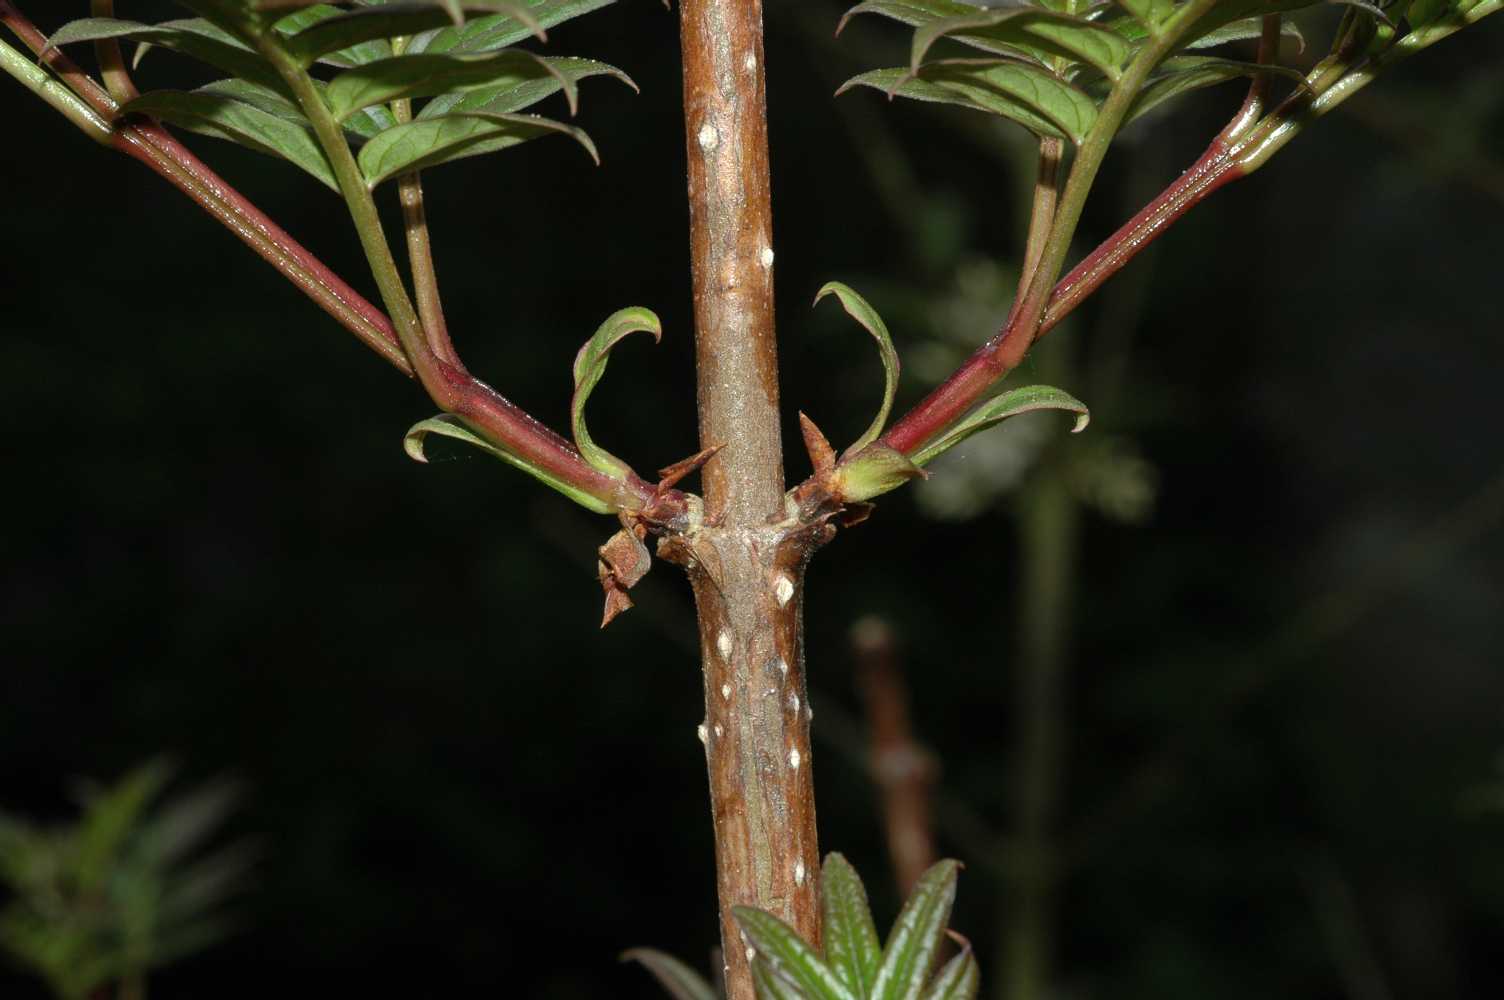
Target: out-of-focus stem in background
<point>903,769</point>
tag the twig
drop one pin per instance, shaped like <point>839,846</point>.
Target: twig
<point>1042,211</point>
<point>117,79</point>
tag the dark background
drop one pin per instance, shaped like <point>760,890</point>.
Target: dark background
<point>1284,707</point>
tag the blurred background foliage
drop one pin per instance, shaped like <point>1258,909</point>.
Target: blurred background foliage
<point>1263,592</point>
<point>97,904</point>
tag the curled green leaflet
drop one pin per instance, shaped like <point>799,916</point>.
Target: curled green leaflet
<point>589,366</point>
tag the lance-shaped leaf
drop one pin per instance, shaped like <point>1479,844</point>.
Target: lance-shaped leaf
<point>1000,408</point>
<point>770,987</point>
<point>861,310</point>
<point>851,944</point>
<point>235,16</point>
<point>487,34</point>
<point>916,936</point>
<point>1150,13</point>
<point>1237,31</point>
<point>423,75</point>
<point>788,956</point>
<point>681,982</point>
<point>364,124</point>
<point>224,117</point>
<point>1032,31</point>
<point>546,76</point>
<point>960,979</point>
<point>871,472</point>
<point>386,21</point>
<point>354,55</point>
<point>910,12</point>
<point>196,38</point>
<point>590,365</point>
<point>1184,74</point>
<point>429,142</point>
<point>1232,11</point>
<point>1030,95</point>
<point>448,425</point>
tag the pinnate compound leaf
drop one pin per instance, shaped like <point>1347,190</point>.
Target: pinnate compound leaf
<point>196,38</point>
<point>545,77</point>
<point>487,34</point>
<point>450,426</point>
<point>424,75</point>
<point>681,982</point>
<point>851,945</point>
<point>960,979</point>
<point>788,957</point>
<point>861,310</point>
<point>916,936</point>
<point>590,365</point>
<point>1031,30</point>
<point>225,117</point>
<point>1024,93</point>
<point>366,24</point>
<point>1000,408</point>
<point>429,142</point>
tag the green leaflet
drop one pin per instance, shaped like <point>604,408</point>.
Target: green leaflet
<point>408,76</point>
<point>1032,31</point>
<point>196,38</point>
<point>349,28</point>
<point>235,16</point>
<point>770,987</point>
<point>429,142</point>
<point>544,78</point>
<point>363,124</point>
<point>916,936</point>
<point>860,310</point>
<point>1000,408</point>
<point>1149,13</point>
<point>1183,74</point>
<point>787,957</point>
<point>1030,95</point>
<point>590,365</point>
<point>354,55</point>
<point>910,12</point>
<point>487,34</point>
<point>681,982</point>
<point>959,980</point>
<point>855,968</point>
<point>851,945</point>
<point>225,117</point>
<point>448,425</point>
<point>1232,11</point>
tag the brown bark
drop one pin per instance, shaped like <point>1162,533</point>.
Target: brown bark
<point>746,554</point>
<point>731,243</point>
<point>749,589</point>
